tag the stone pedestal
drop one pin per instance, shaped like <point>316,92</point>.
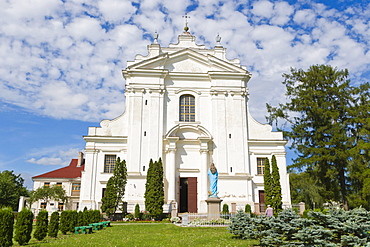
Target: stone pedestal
<point>173,209</point>
<point>214,207</point>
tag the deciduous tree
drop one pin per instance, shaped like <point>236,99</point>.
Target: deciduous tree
<point>11,187</point>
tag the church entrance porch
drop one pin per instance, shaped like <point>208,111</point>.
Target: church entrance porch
<point>188,195</point>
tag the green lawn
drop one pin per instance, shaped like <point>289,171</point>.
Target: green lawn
<point>149,235</point>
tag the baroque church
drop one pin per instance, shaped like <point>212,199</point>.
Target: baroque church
<point>187,105</point>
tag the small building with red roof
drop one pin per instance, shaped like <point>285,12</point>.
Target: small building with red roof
<point>69,178</point>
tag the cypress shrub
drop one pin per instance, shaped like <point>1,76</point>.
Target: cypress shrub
<point>23,226</point>
<point>80,218</point>
<point>137,212</point>
<point>154,189</point>
<point>64,222</point>
<point>96,216</point>
<point>53,225</point>
<point>86,217</point>
<point>225,209</point>
<point>41,225</point>
<point>73,217</point>
<point>6,227</point>
<point>248,209</point>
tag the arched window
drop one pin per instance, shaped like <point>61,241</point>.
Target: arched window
<point>187,108</point>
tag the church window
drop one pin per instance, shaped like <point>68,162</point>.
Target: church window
<point>43,205</point>
<point>109,163</point>
<point>260,166</point>
<point>187,108</point>
<point>46,184</point>
<point>59,184</point>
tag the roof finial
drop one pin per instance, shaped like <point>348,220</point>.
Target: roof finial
<point>155,36</point>
<point>186,28</point>
<point>218,40</point>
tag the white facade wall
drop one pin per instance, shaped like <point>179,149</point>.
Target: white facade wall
<point>223,131</point>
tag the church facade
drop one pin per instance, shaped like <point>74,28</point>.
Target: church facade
<point>187,105</point>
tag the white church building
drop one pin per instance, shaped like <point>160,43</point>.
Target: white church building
<point>188,105</point>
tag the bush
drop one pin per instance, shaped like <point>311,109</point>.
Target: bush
<point>6,227</point>
<point>331,228</point>
<point>225,209</point>
<point>73,217</point>
<point>53,225</point>
<point>23,226</point>
<point>248,209</point>
<point>137,212</point>
<point>80,219</point>
<point>64,222</point>
<point>41,225</point>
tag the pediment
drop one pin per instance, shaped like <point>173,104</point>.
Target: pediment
<point>187,61</point>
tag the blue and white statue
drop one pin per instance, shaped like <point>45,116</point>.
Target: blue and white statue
<point>213,180</point>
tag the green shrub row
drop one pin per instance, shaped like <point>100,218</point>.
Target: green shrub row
<point>330,228</point>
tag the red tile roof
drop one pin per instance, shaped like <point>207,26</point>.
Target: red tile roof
<point>71,171</point>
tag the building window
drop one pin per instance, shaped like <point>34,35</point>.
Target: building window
<point>103,191</point>
<point>187,108</point>
<point>46,184</point>
<point>109,163</point>
<point>260,166</point>
<point>60,206</point>
<point>59,184</point>
<point>76,187</point>
<point>43,205</point>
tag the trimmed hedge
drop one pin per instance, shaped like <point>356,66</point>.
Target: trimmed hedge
<point>64,222</point>
<point>6,227</point>
<point>23,226</point>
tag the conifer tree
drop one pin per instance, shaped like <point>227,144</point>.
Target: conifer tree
<point>23,226</point>
<point>53,225</point>
<point>328,127</point>
<point>115,188</point>
<point>64,222</point>
<point>41,225</point>
<point>137,212</point>
<point>267,183</point>
<point>154,189</point>
<point>6,227</point>
<point>276,202</point>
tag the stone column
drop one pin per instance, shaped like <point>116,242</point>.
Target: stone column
<point>171,168</point>
<point>203,179</point>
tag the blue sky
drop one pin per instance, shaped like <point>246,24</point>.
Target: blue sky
<point>61,63</point>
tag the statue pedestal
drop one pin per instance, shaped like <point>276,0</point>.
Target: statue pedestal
<point>214,207</point>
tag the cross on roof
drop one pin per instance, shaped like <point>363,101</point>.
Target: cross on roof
<point>186,28</point>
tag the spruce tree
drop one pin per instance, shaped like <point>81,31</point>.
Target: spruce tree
<point>23,226</point>
<point>267,183</point>
<point>276,202</point>
<point>41,225</point>
<point>154,189</point>
<point>53,225</point>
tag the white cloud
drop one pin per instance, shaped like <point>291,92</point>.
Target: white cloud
<point>56,156</point>
<point>64,59</point>
<point>263,8</point>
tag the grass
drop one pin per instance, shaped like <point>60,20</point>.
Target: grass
<point>148,235</point>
